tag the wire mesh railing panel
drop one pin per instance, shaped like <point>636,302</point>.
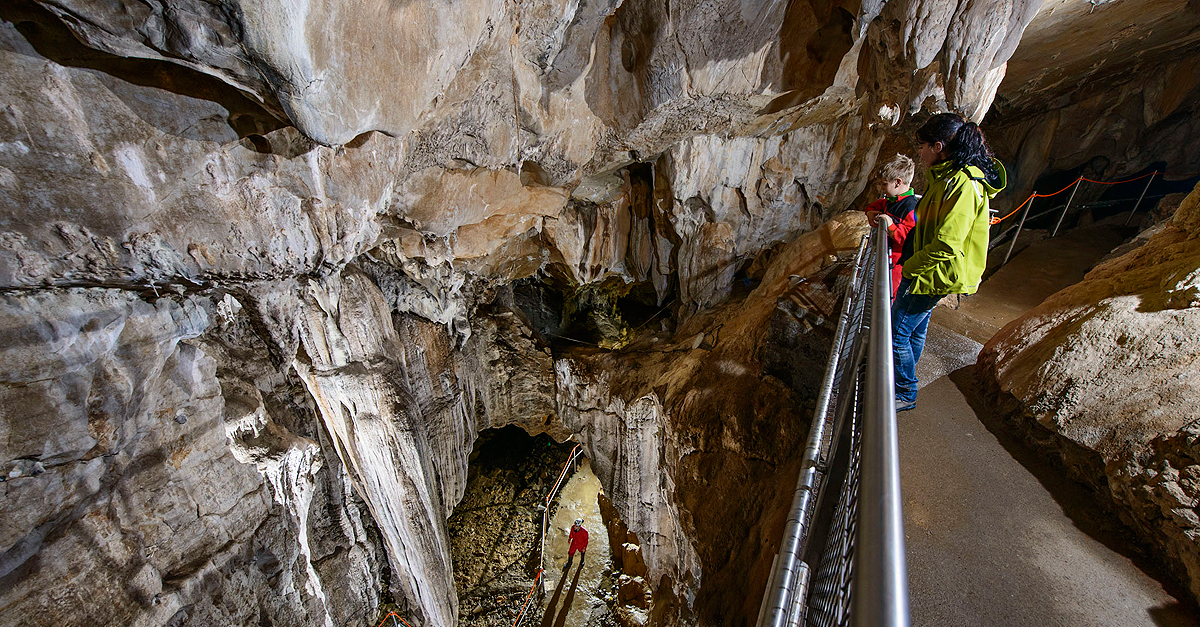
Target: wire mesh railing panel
<point>840,551</point>
<point>830,595</point>
<point>828,603</point>
<point>853,285</point>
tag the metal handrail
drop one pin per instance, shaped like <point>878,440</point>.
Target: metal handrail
<point>847,498</point>
<point>880,573</point>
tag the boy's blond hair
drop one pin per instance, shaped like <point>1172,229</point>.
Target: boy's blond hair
<point>898,167</point>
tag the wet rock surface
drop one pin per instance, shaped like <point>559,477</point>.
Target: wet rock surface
<point>179,461</point>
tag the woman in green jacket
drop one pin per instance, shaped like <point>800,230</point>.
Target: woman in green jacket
<point>950,240</point>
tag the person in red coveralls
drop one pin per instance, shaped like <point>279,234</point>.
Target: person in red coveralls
<point>578,539</point>
<point>899,208</point>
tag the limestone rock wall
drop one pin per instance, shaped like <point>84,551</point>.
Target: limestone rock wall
<point>694,440</point>
<point>1104,375</point>
<point>254,257</point>
<point>159,472</point>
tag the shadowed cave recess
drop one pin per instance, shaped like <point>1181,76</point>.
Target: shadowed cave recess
<point>306,307</point>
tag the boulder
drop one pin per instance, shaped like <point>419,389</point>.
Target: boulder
<point>1104,375</point>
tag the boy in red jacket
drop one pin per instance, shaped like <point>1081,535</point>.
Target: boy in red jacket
<point>578,539</point>
<point>899,207</point>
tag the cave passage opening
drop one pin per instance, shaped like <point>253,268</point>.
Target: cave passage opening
<point>495,534</point>
<point>608,314</point>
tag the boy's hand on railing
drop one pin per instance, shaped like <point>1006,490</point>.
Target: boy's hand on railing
<point>873,218</point>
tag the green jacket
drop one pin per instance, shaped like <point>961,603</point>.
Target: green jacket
<point>951,238</point>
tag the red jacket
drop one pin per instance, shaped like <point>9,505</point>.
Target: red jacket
<point>904,217</point>
<point>578,540</point>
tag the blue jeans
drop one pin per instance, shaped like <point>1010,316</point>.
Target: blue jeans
<point>910,321</point>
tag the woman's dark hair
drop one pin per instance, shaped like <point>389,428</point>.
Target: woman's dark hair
<point>964,142</point>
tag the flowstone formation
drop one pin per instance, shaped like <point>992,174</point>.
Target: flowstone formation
<point>1104,376</point>
<point>268,268</point>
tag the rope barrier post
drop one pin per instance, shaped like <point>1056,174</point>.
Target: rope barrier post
<point>1020,224</point>
<point>1139,200</point>
<point>1066,208</point>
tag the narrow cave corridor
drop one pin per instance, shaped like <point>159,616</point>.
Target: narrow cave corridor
<point>496,541</point>
<point>495,530</point>
<point>590,585</point>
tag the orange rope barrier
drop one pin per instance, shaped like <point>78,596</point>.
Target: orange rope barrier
<point>1014,211</point>
<point>392,615</point>
<point>995,221</point>
<point>1061,190</point>
<point>529,596</point>
<point>570,458</point>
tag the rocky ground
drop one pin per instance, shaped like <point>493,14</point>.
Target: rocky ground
<point>1103,377</point>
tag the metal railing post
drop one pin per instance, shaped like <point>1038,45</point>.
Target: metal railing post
<point>880,596</point>
<point>1020,225</point>
<point>1066,207</point>
<point>1139,200</point>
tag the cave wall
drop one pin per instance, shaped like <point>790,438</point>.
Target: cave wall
<point>159,470</point>
<point>254,256</point>
<point>1111,130</point>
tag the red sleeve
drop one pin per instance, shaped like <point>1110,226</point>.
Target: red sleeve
<point>879,205</point>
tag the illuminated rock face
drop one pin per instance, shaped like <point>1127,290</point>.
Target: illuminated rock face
<point>259,258</point>
<point>1083,96</point>
<point>1104,374</point>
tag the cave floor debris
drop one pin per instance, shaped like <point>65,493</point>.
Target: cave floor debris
<point>494,529</point>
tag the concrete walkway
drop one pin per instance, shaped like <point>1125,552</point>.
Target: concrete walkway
<point>992,542</point>
<point>996,537</point>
